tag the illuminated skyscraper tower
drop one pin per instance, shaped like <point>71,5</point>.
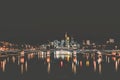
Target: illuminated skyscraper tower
<point>67,40</point>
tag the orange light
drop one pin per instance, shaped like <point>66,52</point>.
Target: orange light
<point>113,58</point>
<point>48,60</point>
<point>87,63</point>
<point>74,60</point>
<point>22,60</point>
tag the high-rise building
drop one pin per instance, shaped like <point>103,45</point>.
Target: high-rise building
<point>62,43</point>
<point>72,40</point>
<point>67,40</point>
<point>88,42</point>
<point>111,40</point>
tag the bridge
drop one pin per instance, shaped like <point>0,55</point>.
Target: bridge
<point>53,50</point>
<point>86,50</point>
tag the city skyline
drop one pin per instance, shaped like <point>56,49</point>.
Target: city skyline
<point>37,34</point>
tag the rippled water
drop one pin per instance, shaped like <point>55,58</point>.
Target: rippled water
<point>52,66</point>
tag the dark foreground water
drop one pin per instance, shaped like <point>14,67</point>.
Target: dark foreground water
<point>45,66</point>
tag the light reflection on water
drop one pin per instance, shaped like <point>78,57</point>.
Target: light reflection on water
<point>77,61</point>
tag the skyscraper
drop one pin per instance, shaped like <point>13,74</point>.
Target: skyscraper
<point>67,40</point>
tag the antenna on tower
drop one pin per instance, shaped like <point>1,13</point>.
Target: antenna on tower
<point>66,35</point>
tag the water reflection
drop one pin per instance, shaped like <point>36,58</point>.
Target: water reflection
<point>26,66</point>
<point>87,63</point>
<point>3,64</point>
<point>21,67</point>
<point>65,60</point>
<point>116,65</point>
<point>94,65</point>
<point>48,69</point>
<point>48,62</point>
<point>100,68</point>
<point>61,64</point>
<point>80,63</point>
<point>73,67</point>
<point>23,64</point>
<point>13,59</point>
<point>108,60</point>
<point>18,62</point>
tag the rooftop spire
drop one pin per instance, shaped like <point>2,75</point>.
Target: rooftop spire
<point>66,35</point>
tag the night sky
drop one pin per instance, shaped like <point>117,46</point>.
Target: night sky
<point>36,22</point>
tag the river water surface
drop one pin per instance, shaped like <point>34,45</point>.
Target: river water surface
<point>52,66</point>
